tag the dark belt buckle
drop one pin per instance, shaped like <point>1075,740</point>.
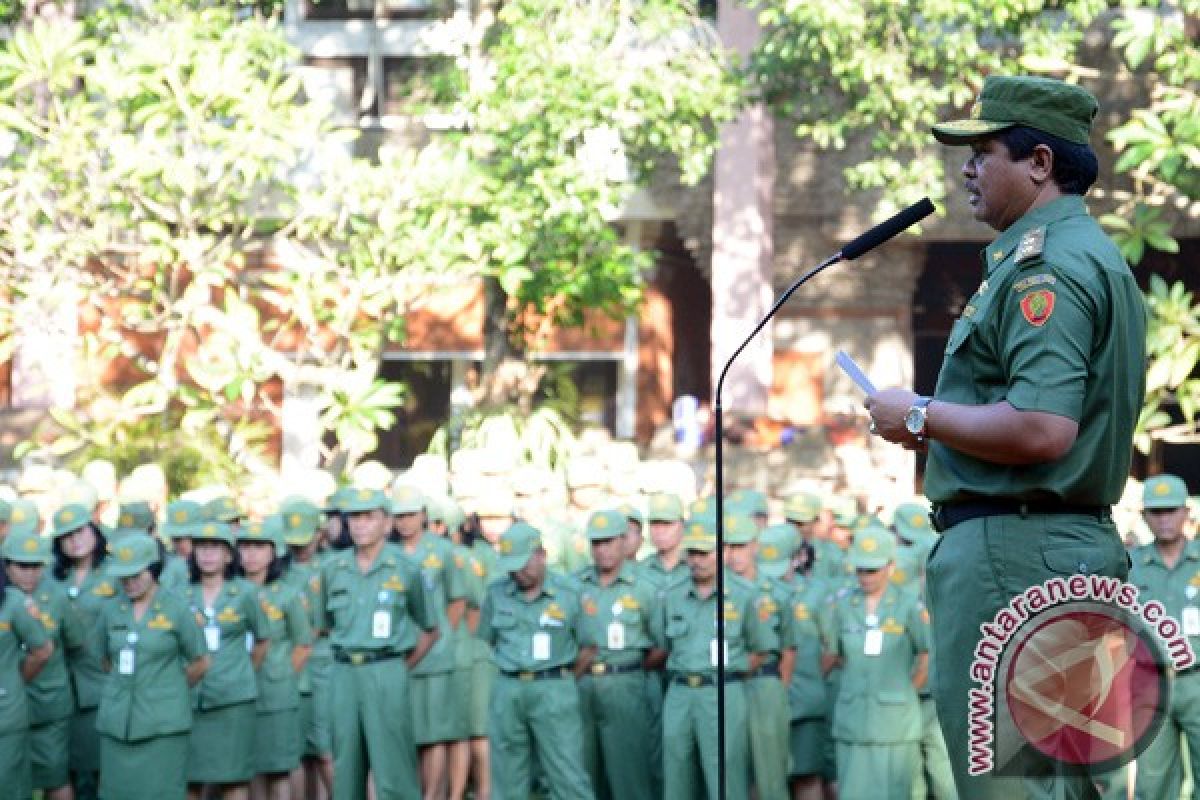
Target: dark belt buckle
<point>526,676</point>
<point>358,659</point>
<point>599,669</point>
<point>695,681</point>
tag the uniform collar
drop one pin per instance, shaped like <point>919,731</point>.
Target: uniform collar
<point>548,589</point>
<point>1151,555</point>
<point>624,575</point>
<point>998,251</point>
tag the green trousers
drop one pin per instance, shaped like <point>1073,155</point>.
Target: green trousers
<point>933,778</point>
<point>769,723</point>
<point>372,731</point>
<point>1160,770</point>
<point>876,771</point>
<point>618,736</point>
<point>974,569</point>
<point>528,718</point>
<point>690,743</point>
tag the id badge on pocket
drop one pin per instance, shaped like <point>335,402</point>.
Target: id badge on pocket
<point>381,624</point>
<point>212,638</point>
<point>616,636</point>
<point>249,642</point>
<point>1191,621</point>
<point>541,646</point>
<point>712,652</point>
<point>125,661</point>
<point>873,643</point>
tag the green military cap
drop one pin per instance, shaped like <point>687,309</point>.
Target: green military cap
<point>27,547</point>
<point>873,547</point>
<point>407,499</point>
<point>664,507</point>
<point>911,521</point>
<point>449,512</point>
<point>131,555</point>
<point>776,545</point>
<point>69,519</point>
<point>23,516</point>
<point>81,493</point>
<point>1164,491</point>
<point>300,520</point>
<point>740,528</point>
<point>182,519</point>
<point>516,545</point>
<point>909,563</point>
<point>214,532</point>
<point>268,529</point>
<point>355,500</point>
<point>702,505</point>
<point>700,533</point>
<point>604,525</point>
<point>845,511</point>
<point>632,514</point>
<point>5,510</point>
<point>749,501</point>
<point>134,516</point>
<point>1007,101</point>
<point>222,509</point>
<point>802,507</point>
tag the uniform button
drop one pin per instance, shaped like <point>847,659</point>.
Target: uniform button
<point>1083,567</point>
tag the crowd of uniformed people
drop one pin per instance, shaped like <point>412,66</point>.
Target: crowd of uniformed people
<point>418,636</point>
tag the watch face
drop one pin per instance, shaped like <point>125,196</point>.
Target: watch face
<point>914,420</point>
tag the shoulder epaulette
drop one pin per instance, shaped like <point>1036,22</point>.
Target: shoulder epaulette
<point>1031,246</point>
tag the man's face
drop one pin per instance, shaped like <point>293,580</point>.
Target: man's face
<point>703,565</point>
<point>666,535</point>
<point>999,190</point>
<point>1166,523</point>
<point>408,525</point>
<point>873,580</point>
<point>608,553</point>
<point>740,557</point>
<point>368,527</point>
<point>532,573</point>
<point>632,539</point>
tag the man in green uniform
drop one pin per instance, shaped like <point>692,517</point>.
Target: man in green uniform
<point>687,628</point>
<point>1168,570</point>
<point>666,565</point>
<point>531,617</point>
<point>374,608</point>
<point>618,724</point>
<point>1029,430</point>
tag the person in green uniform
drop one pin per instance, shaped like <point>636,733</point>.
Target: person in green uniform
<point>1168,570</point>
<point>223,509</point>
<point>618,725</point>
<point>751,503</point>
<point>878,635</point>
<point>686,628</point>
<point>182,519</point>
<point>531,617</point>
<point>768,713</point>
<point>439,718</point>
<point>380,627</point>
<point>1029,431</point>
<point>51,701</point>
<point>664,513</point>
<point>79,549</point>
<point>278,736</point>
<point>134,516</point>
<point>635,524</point>
<point>5,518</point>
<point>221,746</point>
<point>154,651</point>
<point>24,651</point>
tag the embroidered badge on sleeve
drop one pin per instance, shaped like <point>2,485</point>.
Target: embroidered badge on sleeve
<point>1037,307</point>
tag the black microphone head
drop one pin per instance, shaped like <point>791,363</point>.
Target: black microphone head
<point>887,229</point>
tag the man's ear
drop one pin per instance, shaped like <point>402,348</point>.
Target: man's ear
<point>1041,164</point>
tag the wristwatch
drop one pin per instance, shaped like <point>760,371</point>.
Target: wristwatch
<point>914,420</point>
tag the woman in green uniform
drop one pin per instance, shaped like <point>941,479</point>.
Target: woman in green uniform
<point>153,650</point>
<point>51,704</point>
<point>21,633</point>
<point>278,737</point>
<point>79,549</point>
<point>221,746</point>
<point>183,517</point>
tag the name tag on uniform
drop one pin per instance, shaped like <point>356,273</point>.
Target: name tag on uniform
<point>212,638</point>
<point>381,624</point>
<point>249,642</point>
<point>616,636</point>
<point>1191,621</point>
<point>873,643</point>
<point>541,646</point>
<point>712,652</point>
<point>125,661</point>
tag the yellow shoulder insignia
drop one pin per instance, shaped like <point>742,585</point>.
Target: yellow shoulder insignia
<point>553,611</point>
<point>104,589</point>
<point>630,603</point>
<point>393,583</point>
<point>160,623</point>
<point>229,614</point>
<point>5,626</point>
<point>890,626</point>
<point>432,562</point>
<point>801,612</point>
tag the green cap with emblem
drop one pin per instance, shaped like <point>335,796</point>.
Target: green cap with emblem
<point>134,516</point>
<point>740,528</point>
<point>131,555</point>
<point>69,519</point>
<point>844,510</point>
<point>604,525</point>
<point>700,533</point>
<point>214,532</point>
<point>407,499</point>
<point>222,509</point>
<point>1164,492</point>
<point>1007,101</point>
<point>268,529</point>
<point>353,501</point>
<point>802,507</point>
<point>23,517</point>
<point>911,521</point>
<point>27,547</point>
<point>300,518</point>
<point>873,547</point>
<point>183,517</point>
<point>664,507</point>
<point>748,501</point>
<point>776,545</point>
<point>632,513</point>
<point>516,545</point>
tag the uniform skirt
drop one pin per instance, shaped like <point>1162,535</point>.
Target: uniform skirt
<point>152,769</point>
<point>221,747</point>
<point>14,766</point>
<point>49,745</point>
<point>84,746</point>
<point>278,741</point>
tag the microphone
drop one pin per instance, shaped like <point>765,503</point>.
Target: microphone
<point>887,229</point>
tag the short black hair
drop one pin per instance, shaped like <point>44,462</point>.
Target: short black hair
<point>155,569</point>
<point>1075,165</point>
<point>62,564</point>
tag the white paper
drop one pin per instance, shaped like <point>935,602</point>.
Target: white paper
<point>873,643</point>
<point>1191,621</point>
<point>616,636</point>
<point>125,661</point>
<point>381,624</point>
<point>541,646</point>
<point>212,638</point>
<point>712,652</point>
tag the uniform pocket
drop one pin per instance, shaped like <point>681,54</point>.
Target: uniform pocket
<point>676,628</point>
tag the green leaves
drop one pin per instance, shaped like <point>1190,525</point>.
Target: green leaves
<point>1173,348</point>
<point>1145,227</point>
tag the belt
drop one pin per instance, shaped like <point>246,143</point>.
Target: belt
<point>696,680</point>
<point>540,674</point>
<point>766,670</point>
<point>613,669</point>
<point>360,657</point>
<point>945,517</point>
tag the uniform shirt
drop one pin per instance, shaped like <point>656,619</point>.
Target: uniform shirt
<point>235,614</point>
<point>1058,325</point>
<point>443,583</point>
<point>286,612</point>
<point>876,701</point>
<point>807,691</point>
<point>531,635</point>
<point>654,570</point>
<point>175,574</point>
<point>616,618</point>
<point>383,609</point>
<point>89,598</point>
<point>471,573</point>
<point>567,549</point>
<point>306,579</point>
<point>20,631</point>
<point>687,627</point>
<point>50,695</point>
<point>483,569</point>
<point>146,694</point>
<point>1177,588</point>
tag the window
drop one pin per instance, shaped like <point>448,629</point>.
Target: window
<point>376,9</point>
<point>414,84</point>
